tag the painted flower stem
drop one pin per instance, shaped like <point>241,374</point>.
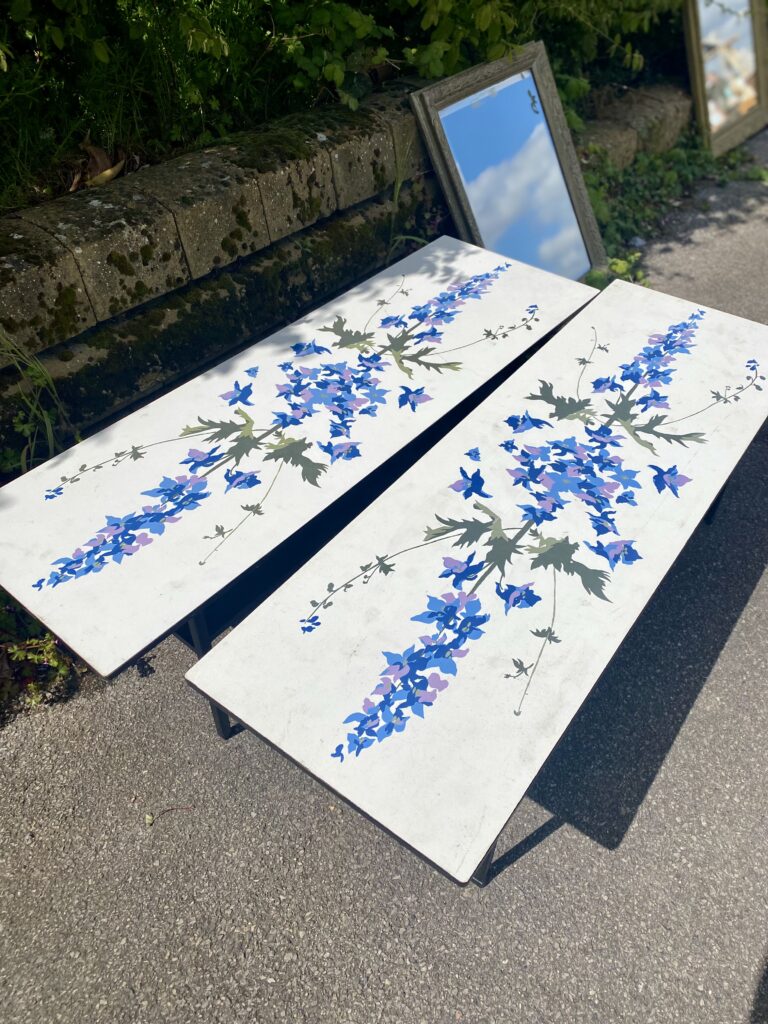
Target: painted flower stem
<point>248,515</point>
<point>588,361</point>
<point>384,304</point>
<point>489,337</point>
<point>518,710</point>
<point>738,392</point>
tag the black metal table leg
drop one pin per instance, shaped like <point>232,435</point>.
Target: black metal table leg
<point>483,869</point>
<point>222,721</point>
<point>198,632</point>
<point>712,510</point>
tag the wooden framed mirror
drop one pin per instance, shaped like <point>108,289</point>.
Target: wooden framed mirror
<point>727,47</point>
<point>503,152</point>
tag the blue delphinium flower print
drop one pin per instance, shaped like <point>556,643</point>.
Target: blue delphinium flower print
<point>240,480</point>
<point>525,422</point>
<point>468,485</point>
<point>668,479</point>
<point>123,536</point>
<point>317,381</point>
<point>412,680</point>
<point>411,397</point>
<point>584,466</point>
<point>238,395</point>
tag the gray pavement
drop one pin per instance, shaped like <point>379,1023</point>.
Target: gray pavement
<point>635,879</point>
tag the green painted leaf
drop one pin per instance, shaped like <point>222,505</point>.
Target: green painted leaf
<point>563,408</point>
<point>291,450</point>
<point>470,531</point>
<point>652,427</point>
<point>558,553</point>
<point>547,634</point>
<point>347,338</point>
<point>421,358</point>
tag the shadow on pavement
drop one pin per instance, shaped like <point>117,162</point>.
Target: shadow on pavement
<point>759,1013</point>
<point>600,772</point>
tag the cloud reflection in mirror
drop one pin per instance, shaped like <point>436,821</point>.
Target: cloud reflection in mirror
<point>503,148</point>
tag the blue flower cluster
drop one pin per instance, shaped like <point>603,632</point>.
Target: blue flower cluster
<point>344,391</point>
<point>652,367</point>
<point>413,678</point>
<point>590,471</point>
<point>445,307</point>
<point>123,536</point>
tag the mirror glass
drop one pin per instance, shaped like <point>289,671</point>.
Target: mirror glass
<point>502,145</point>
<point>730,67</point>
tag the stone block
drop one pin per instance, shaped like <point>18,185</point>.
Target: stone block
<point>659,114</point>
<point>42,296</point>
<point>617,141</point>
<point>296,193</point>
<point>122,363</point>
<point>217,208</point>
<point>125,244</point>
<point>393,109</point>
<point>363,165</point>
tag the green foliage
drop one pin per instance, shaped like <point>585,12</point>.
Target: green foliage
<point>633,202</point>
<point>34,667</point>
<point>142,76</point>
<point>41,414</point>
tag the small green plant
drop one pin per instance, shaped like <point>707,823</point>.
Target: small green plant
<point>34,667</point>
<point>40,413</point>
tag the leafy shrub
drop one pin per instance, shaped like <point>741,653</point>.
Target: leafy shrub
<point>143,75</point>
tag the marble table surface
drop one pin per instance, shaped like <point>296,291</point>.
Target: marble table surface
<point>117,540</point>
<point>425,663</point>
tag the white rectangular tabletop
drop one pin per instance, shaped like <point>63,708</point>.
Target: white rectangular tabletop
<point>117,540</point>
<point>427,660</point>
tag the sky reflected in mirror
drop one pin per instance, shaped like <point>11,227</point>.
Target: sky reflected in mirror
<point>504,151</point>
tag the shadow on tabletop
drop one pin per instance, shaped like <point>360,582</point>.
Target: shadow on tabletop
<point>600,772</point>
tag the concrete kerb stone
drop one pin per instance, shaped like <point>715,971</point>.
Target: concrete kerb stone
<point>125,243</point>
<point>42,295</point>
<point>218,210</point>
<point>394,110</point>
<point>295,194</point>
<point>363,165</point>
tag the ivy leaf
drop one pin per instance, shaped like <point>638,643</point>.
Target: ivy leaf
<point>547,634</point>
<point>291,450</point>
<point>563,408</point>
<point>347,338</point>
<point>558,554</point>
